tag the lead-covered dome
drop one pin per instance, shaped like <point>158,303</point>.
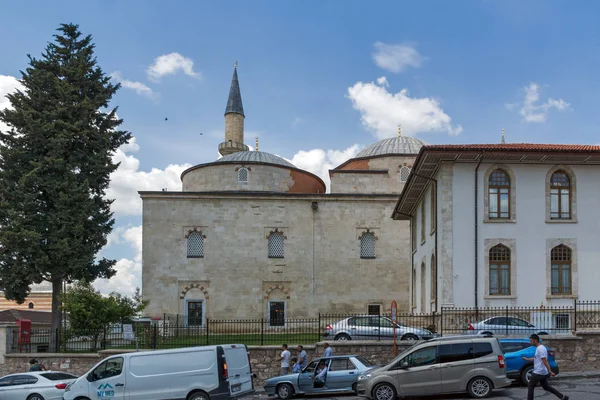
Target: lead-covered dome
<point>396,145</point>
<point>255,156</point>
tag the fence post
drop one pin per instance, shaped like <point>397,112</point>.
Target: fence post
<point>104,338</point>
<point>155,336</point>
<point>379,328</point>
<point>207,331</point>
<point>506,315</point>
<point>574,315</point>
<point>319,329</point>
<point>262,331</point>
<point>442,321</point>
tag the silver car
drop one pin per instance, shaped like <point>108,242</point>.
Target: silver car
<point>41,385</point>
<point>445,365</point>
<point>374,327</point>
<point>504,326</point>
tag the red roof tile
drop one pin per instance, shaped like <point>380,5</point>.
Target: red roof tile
<point>536,147</point>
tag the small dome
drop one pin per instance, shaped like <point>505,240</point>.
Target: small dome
<point>396,145</point>
<point>255,156</point>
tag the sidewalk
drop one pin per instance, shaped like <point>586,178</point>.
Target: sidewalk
<point>565,376</point>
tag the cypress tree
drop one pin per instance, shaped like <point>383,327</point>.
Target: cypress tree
<point>55,163</point>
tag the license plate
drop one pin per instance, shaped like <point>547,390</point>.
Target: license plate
<point>236,388</point>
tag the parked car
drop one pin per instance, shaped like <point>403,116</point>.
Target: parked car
<point>341,377</point>
<point>194,373</point>
<point>516,367</point>
<point>440,366</point>
<point>374,327</point>
<point>39,385</point>
<point>504,326</point>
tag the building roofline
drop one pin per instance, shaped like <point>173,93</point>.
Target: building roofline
<point>261,194</point>
<point>413,155</point>
<point>430,158</point>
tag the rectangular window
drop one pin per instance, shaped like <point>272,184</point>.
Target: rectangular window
<point>499,203</point>
<point>455,352</point>
<point>374,309</point>
<point>500,278</point>
<point>194,313</point>
<point>561,279</point>
<point>277,313</point>
<point>481,349</point>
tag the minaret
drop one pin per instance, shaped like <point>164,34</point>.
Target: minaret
<point>234,119</point>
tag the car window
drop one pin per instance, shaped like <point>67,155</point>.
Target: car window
<point>364,361</point>
<point>362,321</point>
<point>349,322</point>
<point>341,364</point>
<point>23,380</point>
<point>499,321</point>
<point>5,381</point>
<point>481,349</point>
<point>311,367</point>
<point>518,322</point>
<point>455,352</point>
<point>385,323</point>
<point>58,376</point>
<point>108,369</point>
<point>421,357</point>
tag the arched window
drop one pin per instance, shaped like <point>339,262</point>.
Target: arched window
<point>404,172</point>
<point>560,259</point>
<point>30,305</point>
<point>276,242</point>
<point>499,195</point>
<point>499,270</point>
<point>367,245</point>
<point>560,195</point>
<point>242,175</point>
<point>195,245</point>
<point>433,288</point>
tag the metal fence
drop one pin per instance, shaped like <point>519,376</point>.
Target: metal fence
<point>173,331</point>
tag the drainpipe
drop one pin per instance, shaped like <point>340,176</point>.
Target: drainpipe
<point>476,233</point>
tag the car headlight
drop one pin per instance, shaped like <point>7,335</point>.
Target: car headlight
<point>361,377</point>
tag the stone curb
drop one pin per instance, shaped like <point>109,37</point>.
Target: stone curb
<point>565,376</point>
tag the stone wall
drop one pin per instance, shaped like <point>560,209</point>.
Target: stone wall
<point>573,353</point>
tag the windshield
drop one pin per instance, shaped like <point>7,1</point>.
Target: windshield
<point>402,355</point>
<point>364,361</point>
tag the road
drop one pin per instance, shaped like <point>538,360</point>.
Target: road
<point>577,389</point>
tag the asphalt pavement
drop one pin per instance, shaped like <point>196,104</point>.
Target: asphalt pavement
<point>576,389</point>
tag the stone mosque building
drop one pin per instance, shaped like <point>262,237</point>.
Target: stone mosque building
<point>250,235</point>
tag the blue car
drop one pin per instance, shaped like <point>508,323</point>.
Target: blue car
<point>342,375</point>
<point>516,367</point>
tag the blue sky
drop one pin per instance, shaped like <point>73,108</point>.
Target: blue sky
<point>320,79</point>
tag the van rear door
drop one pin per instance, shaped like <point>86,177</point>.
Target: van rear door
<point>238,369</point>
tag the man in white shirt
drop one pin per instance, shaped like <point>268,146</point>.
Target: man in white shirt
<point>541,370</point>
<point>285,360</point>
<point>328,350</point>
<point>321,373</point>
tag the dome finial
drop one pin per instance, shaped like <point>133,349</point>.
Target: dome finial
<point>256,143</point>
<point>399,130</point>
<point>503,136</point>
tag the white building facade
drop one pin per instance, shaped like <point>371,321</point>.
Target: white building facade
<point>503,225</point>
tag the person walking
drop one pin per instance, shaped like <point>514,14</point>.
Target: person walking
<point>285,360</point>
<point>541,370</point>
<point>328,350</point>
<point>302,357</point>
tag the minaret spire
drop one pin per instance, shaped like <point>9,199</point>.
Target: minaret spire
<point>503,142</point>
<point>234,119</point>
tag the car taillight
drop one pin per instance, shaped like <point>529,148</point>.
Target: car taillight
<point>61,386</point>
<point>329,327</point>
<point>225,372</point>
<point>501,362</point>
<point>470,327</point>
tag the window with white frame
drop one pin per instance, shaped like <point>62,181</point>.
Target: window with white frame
<point>242,175</point>
<point>195,244</point>
<point>276,244</point>
<point>367,245</point>
<point>404,173</point>
<point>560,258</point>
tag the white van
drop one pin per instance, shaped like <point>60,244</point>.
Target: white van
<point>194,373</point>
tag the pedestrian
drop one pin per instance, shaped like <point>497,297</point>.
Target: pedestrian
<point>34,366</point>
<point>328,350</point>
<point>285,360</point>
<point>320,375</point>
<point>302,357</point>
<point>541,370</point>
<point>296,369</point>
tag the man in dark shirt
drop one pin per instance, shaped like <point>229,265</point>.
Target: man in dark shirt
<point>34,365</point>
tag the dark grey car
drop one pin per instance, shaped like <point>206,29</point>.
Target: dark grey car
<point>374,327</point>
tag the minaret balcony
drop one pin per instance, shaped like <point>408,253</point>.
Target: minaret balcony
<point>231,147</point>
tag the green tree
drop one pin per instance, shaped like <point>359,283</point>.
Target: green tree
<point>89,312</point>
<point>55,163</point>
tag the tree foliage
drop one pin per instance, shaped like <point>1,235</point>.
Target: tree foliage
<point>55,163</point>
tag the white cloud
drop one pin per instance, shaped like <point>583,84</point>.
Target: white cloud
<point>531,110</point>
<point>8,84</point>
<point>133,236</point>
<point>382,81</point>
<point>170,64</point>
<point>396,57</point>
<point>127,180</point>
<point>382,111</point>
<point>319,161</point>
<point>138,87</point>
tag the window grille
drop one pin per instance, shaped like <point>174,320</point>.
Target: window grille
<point>404,172</point>
<point>243,175</point>
<point>560,195</point>
<point>561,260</point>
<point>499,195</point>
<point>499,270</point>
<point>367,245</point>
<point>276,240</point>
<point>195,244</point>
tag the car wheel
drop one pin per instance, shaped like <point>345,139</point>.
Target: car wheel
<point>35,396</point>
<point>480,387</point>
<point>384,391</point>
<point>526,374</point>
<point>285,391</point>
<point>341,336</point>
<point>198,396</point>
<point>409,336</point>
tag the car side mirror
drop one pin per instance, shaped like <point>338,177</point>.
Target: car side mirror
<point>404,365</point>
<point>90,377</point>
